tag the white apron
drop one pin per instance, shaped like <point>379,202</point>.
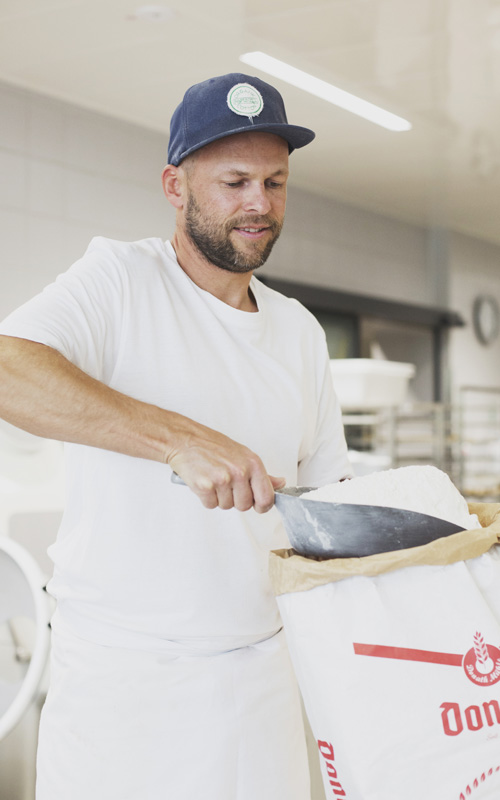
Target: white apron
<point>125,724</point>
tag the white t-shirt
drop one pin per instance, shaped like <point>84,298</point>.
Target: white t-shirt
<point>138,560</point>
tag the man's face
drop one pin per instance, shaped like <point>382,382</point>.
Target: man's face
<point>236,196</point>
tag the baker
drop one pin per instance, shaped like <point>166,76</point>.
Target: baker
<point>170,677</point>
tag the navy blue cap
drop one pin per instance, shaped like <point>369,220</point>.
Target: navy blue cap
<point>226,105</point>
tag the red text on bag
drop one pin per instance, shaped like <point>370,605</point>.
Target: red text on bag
<point>455,719</point>
<point>326,750</point>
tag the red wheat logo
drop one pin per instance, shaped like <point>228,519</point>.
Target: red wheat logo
<point>482,663</point>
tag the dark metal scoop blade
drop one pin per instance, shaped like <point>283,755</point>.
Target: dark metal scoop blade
<point>344,530</point>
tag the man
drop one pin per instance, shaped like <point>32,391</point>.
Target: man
<point>169,676</point>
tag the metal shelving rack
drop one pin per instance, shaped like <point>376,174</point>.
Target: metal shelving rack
<point>463,440</point>
<point>478,425</point>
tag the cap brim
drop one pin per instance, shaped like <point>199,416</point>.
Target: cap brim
<point>295,135</point>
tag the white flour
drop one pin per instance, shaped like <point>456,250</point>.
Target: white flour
<point>427,490</point>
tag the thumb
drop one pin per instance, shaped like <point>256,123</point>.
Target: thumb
<point>277,483</point>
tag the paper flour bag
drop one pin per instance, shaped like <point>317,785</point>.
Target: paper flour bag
<point>398,660</point>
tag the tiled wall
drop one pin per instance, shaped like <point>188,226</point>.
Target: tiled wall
<point>67,175</point>
<point>327,243</point>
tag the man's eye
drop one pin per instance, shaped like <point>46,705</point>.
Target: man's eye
<point>233,184</point>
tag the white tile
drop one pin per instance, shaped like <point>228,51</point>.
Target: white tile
<point>13,170</point>
<point>89,141</point>
<point>14,111</point>
<point>13,228</point>
<point>98,144</point>
<point>91,198</point>
<point>13,271</point>
<point>77,237</point>
<point>109,203</point>
<point>11,296</point>
<point>13,293</point>
<point>46,183</point>
<point>45,252</point>
<point>47,129</point>
<point>353,250</point>
<point>152,215</point>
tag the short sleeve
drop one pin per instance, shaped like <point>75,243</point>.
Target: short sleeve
<point>80,315</point>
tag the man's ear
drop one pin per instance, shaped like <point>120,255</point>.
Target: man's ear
<point>173,185</point>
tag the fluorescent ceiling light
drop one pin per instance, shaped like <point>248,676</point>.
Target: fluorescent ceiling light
<point>326,91</point>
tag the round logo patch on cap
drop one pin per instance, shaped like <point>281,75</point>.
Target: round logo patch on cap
<point>245,100</point>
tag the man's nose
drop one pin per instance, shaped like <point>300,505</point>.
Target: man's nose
<point>256,199</point>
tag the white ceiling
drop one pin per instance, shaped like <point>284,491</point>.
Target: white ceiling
<point>434,62</point>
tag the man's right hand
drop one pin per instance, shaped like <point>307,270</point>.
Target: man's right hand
<point>221,472</point>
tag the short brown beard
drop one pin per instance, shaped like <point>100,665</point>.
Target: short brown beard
<point>212,239</point>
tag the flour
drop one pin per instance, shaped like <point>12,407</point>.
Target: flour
<point>425,489</point>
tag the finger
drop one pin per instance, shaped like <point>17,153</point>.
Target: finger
<point>263,493</point>
<point>225,499</point>
<point>208,499</point>
<point>220,494</point>
<point>205,490</point>
<point>278,483</point>
<point>243,495</point>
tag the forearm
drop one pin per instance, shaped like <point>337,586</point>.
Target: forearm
<point>45,394</point>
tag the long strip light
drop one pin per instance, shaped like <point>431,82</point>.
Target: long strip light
<point>326,91</point>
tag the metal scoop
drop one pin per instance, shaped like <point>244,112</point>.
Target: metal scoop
<point>345,530</point>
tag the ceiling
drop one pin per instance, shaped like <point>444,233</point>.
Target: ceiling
<point>434,62</point>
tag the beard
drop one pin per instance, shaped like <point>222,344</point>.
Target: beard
<point>211,238</point>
